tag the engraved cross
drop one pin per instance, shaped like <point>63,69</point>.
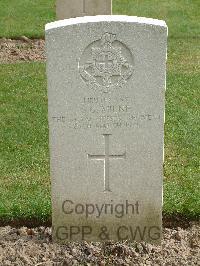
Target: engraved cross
<point>106,62</point>
<point>106,158</point>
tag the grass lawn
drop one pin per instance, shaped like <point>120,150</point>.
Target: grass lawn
<point>24,157</point>
<point>25,17</point>
<point>28,17</point>
<point>181,16</point>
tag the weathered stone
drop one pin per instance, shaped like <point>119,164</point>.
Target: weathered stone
<point>79,8</point>
<point>106,93</point>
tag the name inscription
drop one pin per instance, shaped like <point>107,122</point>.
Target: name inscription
<point>103,113</point>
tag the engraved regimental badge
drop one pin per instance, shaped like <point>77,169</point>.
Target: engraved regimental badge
<point>106,64</point>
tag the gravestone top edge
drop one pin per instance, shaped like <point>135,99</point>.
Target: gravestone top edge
<point>105,18</point>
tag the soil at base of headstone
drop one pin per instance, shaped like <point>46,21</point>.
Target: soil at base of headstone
<point>21,50</point>
<point>25,246</point>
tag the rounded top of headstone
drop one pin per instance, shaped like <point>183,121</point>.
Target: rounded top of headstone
<point>105,18</point>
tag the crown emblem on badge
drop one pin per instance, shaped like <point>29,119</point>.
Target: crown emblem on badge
<point>109,65</point>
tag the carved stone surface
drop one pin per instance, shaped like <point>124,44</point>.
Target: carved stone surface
<point>106,94</point>
<point>106,64</point>
<point>79,8</point>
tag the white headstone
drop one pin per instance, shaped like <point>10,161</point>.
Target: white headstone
<point>79,8</point>
<point>106,94</point>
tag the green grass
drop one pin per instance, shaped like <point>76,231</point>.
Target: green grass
<point>181,16</point>
<point>25,17</point>
<point>182,144</point>
<point>28,17</point>
<point>24,158</point>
